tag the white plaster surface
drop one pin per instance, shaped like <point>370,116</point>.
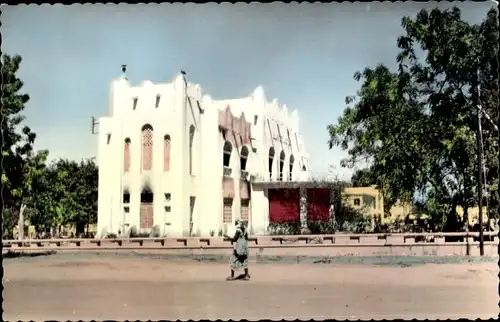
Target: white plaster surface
<point>174,116</point>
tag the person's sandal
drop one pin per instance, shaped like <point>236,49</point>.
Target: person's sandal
<point>247,277</point>
<point>230,278</point>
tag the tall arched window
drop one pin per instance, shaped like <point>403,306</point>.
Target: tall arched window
<point>292,160</point>
<point>271,159</point>
<point>228,148</point>
<point>243,158</point>
<point>166,153</point>
<point>126,155</point>
<point>282,165</point>
<point>191,150</point>
<point>147,147</point>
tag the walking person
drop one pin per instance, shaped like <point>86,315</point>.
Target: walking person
<point>239,257</point>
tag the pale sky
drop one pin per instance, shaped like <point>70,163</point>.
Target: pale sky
<point>302,54</point>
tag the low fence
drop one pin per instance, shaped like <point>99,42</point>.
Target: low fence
<point>438,244</point>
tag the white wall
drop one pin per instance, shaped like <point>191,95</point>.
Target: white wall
<point>174,116</point>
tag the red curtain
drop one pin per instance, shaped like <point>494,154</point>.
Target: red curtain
<point>318,204</point>
<point>284,205</point>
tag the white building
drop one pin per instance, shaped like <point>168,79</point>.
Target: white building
<point>172,158</point>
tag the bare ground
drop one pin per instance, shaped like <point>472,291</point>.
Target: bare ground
<point>152,289</point>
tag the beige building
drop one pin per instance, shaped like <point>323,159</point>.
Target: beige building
<point>473,214</point>
<point>371,201</point>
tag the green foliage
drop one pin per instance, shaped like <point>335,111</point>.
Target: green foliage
<point>56,194</point>
<point>21,166</point>
<point>69,194</point>
<point>155,231</point>
<point>284,228</point>
<point>417,125</point>
<point>321,227</point>
<point>135,233</point>
<point>348,219</point>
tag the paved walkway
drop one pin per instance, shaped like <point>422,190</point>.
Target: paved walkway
<point>148,289</point>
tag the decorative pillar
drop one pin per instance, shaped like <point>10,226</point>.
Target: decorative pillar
<point>303,210</point>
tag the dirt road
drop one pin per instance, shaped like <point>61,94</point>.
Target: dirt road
<point>149,289</point>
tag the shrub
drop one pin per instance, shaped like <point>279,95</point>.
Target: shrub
<point>349,219</point>
<point>357,226</point>
<point>321,227</point>
<point>285,228</point>
<point>143,235</point>
<point>155,231</point>
<point>132,232</point>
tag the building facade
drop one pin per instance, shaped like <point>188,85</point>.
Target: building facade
<point>371,201</point>
<point>178,162</point>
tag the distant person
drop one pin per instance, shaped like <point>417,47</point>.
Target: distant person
<point>239,258</point>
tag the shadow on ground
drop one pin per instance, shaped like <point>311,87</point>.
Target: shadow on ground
<point>398,261</point>
<point>16,254</point>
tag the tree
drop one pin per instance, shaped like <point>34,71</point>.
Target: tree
<point>82,187</point>
<point>362,178</point>
<point>69,195</point>
<point>417,125</point>
<point>449,83</point>
<point>20,164</point>
<point>63,192</point>
<point>397,158</point>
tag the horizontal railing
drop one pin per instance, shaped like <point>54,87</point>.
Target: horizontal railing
<point>332,240</point>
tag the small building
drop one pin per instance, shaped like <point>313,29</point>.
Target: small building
<point>175,160</point>
<point>371,201</point>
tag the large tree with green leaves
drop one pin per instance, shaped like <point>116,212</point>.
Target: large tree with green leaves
<point>417,125</point>
<point>52,195</point>
<point>68,195</point>
<point>21,166</point>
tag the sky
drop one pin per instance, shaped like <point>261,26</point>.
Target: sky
<point>302,54</point>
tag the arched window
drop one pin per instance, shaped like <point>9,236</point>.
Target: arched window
<point>191,143</point>
<point>292,160</point>
<point>282,164</point>
<point>243,158</point>
<point>228,148</point>
<point>147,147</point>
<point>166,153</point>
<point>271,159</point>
<point>126,155</point>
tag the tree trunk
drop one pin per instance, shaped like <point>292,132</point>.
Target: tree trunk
<point>466,217</point>
<point>20,223</point>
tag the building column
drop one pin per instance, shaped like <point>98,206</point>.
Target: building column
<point>303,210</point>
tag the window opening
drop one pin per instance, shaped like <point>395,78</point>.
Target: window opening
<point>227,154</point>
